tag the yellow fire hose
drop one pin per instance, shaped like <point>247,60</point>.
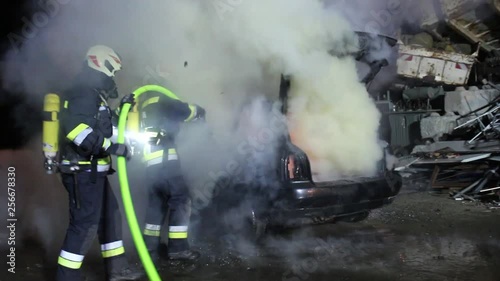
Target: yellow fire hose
<point>124,186</point>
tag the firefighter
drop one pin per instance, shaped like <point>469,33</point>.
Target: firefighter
<point>161,118</point>
<point>85,163</point>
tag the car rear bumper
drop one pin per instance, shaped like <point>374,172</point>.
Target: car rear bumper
<point>306,202</point>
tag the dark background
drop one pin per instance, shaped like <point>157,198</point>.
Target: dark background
<point>20,115</point>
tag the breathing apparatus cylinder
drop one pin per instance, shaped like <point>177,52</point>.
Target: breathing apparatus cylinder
<point>133,123</point>
<point>51,109</point>
<point>133,120</point>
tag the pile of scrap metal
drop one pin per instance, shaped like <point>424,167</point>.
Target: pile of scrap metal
<point>464,110</point>
<point>445,123</point>
<point>468,162</point>
<point>423,61</point>
<point>440,69</point>
<point>476,24</point>
<point>414,121</point>
<point>471,175</point>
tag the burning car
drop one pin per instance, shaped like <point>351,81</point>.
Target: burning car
<point>283,193</point>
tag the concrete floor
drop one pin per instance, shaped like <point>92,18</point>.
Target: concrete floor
<point>420,236</point>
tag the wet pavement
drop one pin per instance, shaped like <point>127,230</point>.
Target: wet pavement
<point>420,236</point>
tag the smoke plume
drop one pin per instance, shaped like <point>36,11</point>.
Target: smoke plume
<point>217,54</point>
<point>222,55</point>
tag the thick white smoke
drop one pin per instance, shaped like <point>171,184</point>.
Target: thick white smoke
<point>335,121</point>
<point>216,54</point>
<point>333,118</point>
<point>220,54</point>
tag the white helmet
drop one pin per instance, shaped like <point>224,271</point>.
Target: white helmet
<point>104,59</point>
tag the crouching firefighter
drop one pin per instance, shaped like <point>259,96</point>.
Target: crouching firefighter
<point>85,163</point>
<point>161,117</point>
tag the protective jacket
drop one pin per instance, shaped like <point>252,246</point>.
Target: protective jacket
<point>161,118</point>
<point>86,129</point>
<point>167,190</point>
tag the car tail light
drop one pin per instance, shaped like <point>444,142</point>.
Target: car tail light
<point>295,165</point>
<point>294,168</point>
<point>291,166</point>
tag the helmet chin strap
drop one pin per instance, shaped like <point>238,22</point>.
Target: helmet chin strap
<point>103,97</point>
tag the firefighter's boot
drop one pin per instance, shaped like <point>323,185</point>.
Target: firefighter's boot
<point>187,255</point>
<point>118,269</point>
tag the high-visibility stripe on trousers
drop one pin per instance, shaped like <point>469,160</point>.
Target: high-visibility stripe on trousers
<point>178,232</point>
<point>70,260</point>
<point>152,230</point>
<point>112,249</point>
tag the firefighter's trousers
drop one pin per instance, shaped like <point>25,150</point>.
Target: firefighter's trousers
<point>93,212</point>
<point>168,193</point>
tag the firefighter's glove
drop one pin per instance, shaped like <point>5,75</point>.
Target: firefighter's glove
<point>200,113</point>
<point>127,99</point>
<point>119,150</point>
